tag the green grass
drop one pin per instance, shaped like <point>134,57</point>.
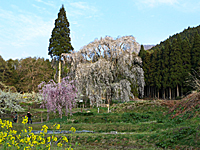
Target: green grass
<point>143,127</point>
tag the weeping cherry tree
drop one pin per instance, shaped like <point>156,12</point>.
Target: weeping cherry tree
<point>58,96</point>
<point>108,68</point>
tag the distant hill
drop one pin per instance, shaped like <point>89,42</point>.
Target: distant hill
<point>189,33</point>
<point>146,47</point>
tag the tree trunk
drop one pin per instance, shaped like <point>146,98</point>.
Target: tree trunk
<point>177,91</point>
<point>163,93</point>
<point>149,92</point>
<point>158,93</point>
<point>59,71</point>
<point>170,93</point>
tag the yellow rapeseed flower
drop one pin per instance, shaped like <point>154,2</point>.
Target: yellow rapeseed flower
<point>30,144</point>
<point>45,130</point>
<point>28,139</point>
<point>30,129</point>
<point>18,136</point>
<point>14,132</point>
<point>13,142</point>
<point>35,142</point>
<point>33,136</point>
<point>65,139</point>
<point>12,138</point>
<point>58,126</point>
<point>39,138</point>
<point>48,139</point>
<point>43,141</point>
<point>59,144</point>
<point>44,127</point>
<point>48,146</point>
<point>8,144</point>
<point>21,141</point>
<point>55,139</point>
<point>25,130</point>
<point>10,125</point>
<point>72,129</point>
<point>25,120</point>
<point>3,125</point>
<point>5,134</point>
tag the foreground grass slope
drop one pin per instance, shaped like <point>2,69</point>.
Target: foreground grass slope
<point>133,125</point>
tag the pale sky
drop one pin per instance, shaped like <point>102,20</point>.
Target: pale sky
<point>26,25</point>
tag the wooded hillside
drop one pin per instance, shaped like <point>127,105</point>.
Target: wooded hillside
<point>167,66</point>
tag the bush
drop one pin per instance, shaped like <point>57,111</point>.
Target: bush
<point>83,114</point>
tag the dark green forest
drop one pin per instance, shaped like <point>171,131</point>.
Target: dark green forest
<point>169,65</point>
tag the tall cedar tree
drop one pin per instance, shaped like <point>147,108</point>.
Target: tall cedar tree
<point>176,67</point>
<point>165,66</point>
<point>158,75</point>
<point>142,52</point>
<point>152,74</point>
<point>186,60</point>
<point>146,68</point>
<point>60,41</point>
<point>195,53</point>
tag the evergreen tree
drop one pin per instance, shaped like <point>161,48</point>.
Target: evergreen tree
<point>142,52</point>
<point>153,70</point>
<point>165,66</point>
<point>195,53</point>
<point>60,41</point>
<point>186,59</point>
<point>146,68</point>
<point>176,70</point>
<point>158,71</point>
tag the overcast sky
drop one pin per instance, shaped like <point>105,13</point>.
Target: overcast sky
<point>26,25</point>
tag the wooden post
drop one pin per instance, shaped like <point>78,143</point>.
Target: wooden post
<point>41,118</point>
<point>108,107</point>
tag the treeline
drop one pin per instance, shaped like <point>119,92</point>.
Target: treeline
<point>188,33</point>
<point>167,66</point>
<point>25,74</point>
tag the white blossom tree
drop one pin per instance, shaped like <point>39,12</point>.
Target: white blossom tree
<point>108,68</point>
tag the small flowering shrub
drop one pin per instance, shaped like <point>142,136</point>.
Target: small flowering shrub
<point>26,140</point>
<point>58,96</point>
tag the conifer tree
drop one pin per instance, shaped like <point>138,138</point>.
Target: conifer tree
<point>60,41</point>
<point>153,70</point>
<point>195,53</point>
<point>146,68</point>
<point>186,59</point>
<point>165,66</point>
<point>176,70</point>
<point>179,40</point>
<point>158,71</point>
<point>142,52</point>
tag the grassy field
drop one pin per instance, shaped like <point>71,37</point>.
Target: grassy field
<point>145,126</point>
